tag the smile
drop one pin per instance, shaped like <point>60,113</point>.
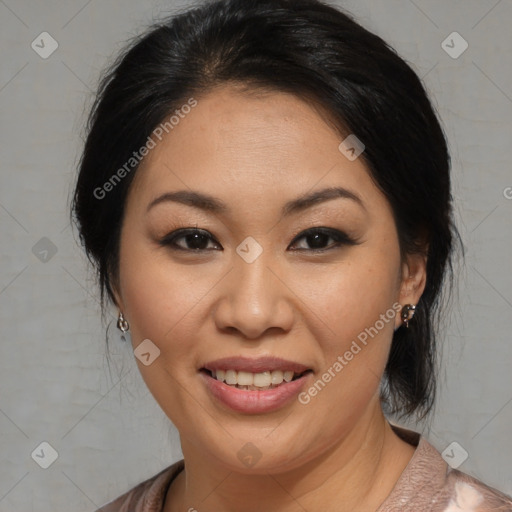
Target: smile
<point>254,385</point>
<point>254,381</point>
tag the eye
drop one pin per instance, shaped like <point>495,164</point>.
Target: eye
<point>317,239</point>
<point>194,240</point>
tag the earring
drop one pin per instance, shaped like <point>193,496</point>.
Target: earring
<point>122,325</point>
<point>407,313</point>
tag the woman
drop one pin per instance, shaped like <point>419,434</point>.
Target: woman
<point>265,193</point>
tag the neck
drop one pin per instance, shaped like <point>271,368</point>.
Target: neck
<point>357,473</point>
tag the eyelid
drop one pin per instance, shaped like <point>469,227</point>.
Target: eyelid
<point>340,238</point>
<point>169,239</point>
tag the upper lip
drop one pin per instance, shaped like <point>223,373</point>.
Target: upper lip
<point>255,365</point>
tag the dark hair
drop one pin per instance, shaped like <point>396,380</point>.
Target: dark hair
<point>315,51</point>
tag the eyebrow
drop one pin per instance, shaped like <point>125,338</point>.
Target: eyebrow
<point>211,204</point>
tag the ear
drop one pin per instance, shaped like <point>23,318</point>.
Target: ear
<point>413,280</point>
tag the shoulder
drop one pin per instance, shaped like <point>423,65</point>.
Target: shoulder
<point>463,492</point>
<point>428,483</point>
<point>147,496</point>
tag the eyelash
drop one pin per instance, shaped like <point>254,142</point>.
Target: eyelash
<point>339,237</point>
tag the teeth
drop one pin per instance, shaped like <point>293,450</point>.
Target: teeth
<point>248,380</point>
<point>231,377</point>
<point>277,377</point>
<point>260,380</point>
<point>245,379</point>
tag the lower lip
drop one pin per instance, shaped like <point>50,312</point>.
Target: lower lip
<point>254,402</point>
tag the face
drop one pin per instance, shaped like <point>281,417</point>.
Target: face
<point>264,274</point>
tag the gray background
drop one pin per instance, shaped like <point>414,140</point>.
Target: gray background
<point>54,380</point>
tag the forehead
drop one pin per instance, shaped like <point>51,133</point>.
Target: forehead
<point>251,144</point>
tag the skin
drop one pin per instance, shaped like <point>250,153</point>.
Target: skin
<point>256,151</point>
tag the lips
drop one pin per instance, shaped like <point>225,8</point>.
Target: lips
<point>255,365</point>
<point>250,400</point>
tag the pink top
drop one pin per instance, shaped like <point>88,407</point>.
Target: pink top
<point>427,484</point>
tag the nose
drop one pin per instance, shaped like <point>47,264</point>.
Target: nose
<point>254,299</point>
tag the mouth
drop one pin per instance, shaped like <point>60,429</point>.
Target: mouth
<point>250,385</point>
<point>254,374</point>
<point>254,381</point>
<point>254,386</point>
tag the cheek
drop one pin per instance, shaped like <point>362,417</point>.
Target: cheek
<point>352,296</point>
<point>159,302</point>
<point>356,303</point>
<point>355,350</point>
<point>157,297</point>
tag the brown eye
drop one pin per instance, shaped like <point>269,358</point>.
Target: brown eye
<point>317,239</point>
<point>193,240</point>
<point>198,240</point>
